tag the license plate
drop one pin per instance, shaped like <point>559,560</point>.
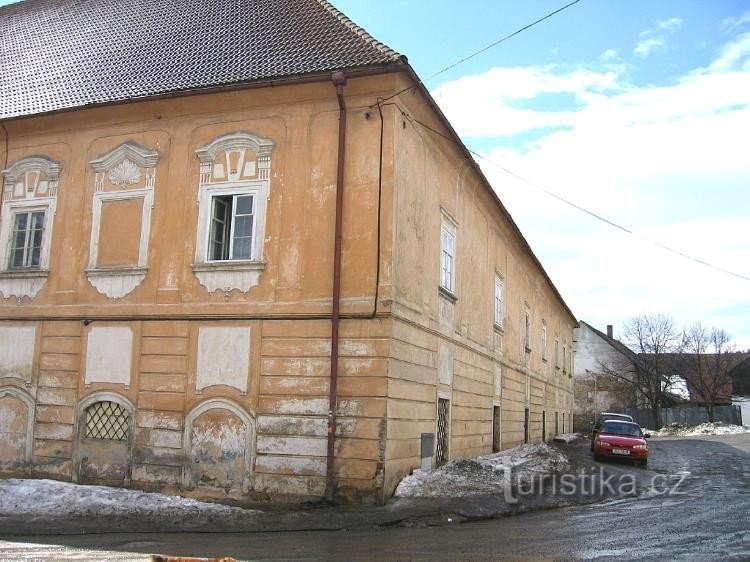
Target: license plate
<point>620,452</point>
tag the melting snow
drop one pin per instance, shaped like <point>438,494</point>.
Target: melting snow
<point>49,497</point>
<point>566,437</point>
<point>484,475</point>
<point>681,430</point>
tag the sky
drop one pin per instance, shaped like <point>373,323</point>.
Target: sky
<point>637,111</point>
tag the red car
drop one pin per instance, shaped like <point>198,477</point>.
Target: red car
<point>621,440</point>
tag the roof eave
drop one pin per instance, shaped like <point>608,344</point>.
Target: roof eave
<point>457,139</point>
<point>397,65</point>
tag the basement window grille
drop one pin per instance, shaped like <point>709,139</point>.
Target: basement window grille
<point>443,421</point>
<point>107,420</point>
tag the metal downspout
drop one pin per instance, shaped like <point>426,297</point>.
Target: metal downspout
<point>339,80</point>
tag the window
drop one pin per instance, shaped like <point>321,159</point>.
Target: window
<point>231,236</point>
<point>570,363</point>
<point>29,198</point>
<point>564,359</point>
<point>107,420</point>
<point>234,188</point>
<point>557,354</point>
<point>499,289</point>
<point>527,329</point>
<point>447,257</point>
<point>544,340</point>
<point>26,240</point>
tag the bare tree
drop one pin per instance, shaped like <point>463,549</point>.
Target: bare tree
<point>707,360</point>
<point>645,362</point>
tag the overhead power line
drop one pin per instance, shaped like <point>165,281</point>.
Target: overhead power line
<point>484,49</point>
<point>575,205</point>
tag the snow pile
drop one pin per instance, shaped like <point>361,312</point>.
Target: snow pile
<point>484,475</point>
<point>52,498</point>
<point>682,430</point>
<point>567,437</point>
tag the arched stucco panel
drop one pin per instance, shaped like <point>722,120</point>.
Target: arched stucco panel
<point>106,460</point>
<point>17,411</point>
<point>219,446</point>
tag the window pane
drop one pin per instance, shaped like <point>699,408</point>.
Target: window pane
<point>244,205</point>
<point>22,220</point>
<point>16,258</point>
<point>243,226</point>
<point>36,254</point>
<point>38,221</point>
<point>242,249</point>
<point>217,244</point>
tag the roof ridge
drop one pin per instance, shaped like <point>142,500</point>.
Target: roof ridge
<point>360,31</point>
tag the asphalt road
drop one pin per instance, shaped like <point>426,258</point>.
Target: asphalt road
<point>699,509</point>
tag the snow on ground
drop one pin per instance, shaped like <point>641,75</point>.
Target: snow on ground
<point>681,430</point>
<point>567,437</point>
<point>51,498</point>
<point>484,475</point>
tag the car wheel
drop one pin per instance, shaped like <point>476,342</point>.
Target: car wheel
<point>644,463</point>
<point>597,457</point>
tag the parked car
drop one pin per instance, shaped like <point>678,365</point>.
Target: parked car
<point>604,416</point>
<point>621,440</point>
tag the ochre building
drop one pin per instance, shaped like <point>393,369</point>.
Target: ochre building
<point>243,255</point>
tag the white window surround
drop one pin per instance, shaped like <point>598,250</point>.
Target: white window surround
<point>544,341</point>
<point>448,251</point>
<point>29,185</point>
<point>527,329</point>
<point>123,166</point>
<point>499,301</point>
<point>219,178</point>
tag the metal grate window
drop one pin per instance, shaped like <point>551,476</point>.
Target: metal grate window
<point>107,420</point>
<point>443,424</point>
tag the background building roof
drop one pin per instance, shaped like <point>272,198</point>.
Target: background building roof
<point>61,54</point>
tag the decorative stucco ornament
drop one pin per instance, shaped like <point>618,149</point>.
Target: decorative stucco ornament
<point>125,173</point>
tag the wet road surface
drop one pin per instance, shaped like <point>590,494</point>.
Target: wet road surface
<point>698,509</point>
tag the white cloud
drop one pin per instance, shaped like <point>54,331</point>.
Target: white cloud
<point>731,25</point>
<point>488,104</point>
<point>669,25</point>
<point>646,46</point>
<point>608,55</point>
<point>656,37</point>
<point>734,54</point>
<point>669,161</point>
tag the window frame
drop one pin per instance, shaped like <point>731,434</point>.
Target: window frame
<point>28,246</point>
<point>448,232</point>
<point>229,228</point>
<point>557,354</point>
<point>544,340</point>
<point>527,328</point>
<point>11,209</point>
<point>499,303</point>
<point>256,190</point>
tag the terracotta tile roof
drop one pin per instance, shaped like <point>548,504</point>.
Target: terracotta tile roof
<point>59,54</point>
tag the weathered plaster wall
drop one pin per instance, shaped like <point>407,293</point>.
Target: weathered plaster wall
<point>210,423</point>
<point>446,348</point>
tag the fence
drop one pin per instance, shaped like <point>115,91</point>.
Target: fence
<point>688,415</point>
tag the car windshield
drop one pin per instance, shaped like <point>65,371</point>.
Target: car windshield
<point>621,428</point>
